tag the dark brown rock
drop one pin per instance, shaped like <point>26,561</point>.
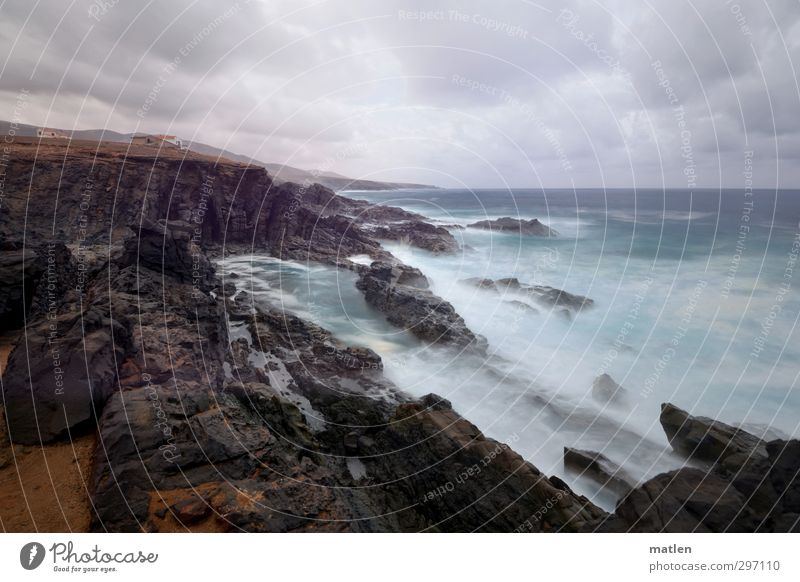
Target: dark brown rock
<point>442,465</point>
<point>706,439</point>
<point>190,511</point>
<point>686,500</point>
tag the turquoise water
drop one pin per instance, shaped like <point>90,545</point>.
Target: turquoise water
<point>696,303</point>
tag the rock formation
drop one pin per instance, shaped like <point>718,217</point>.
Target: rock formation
<point>598,467</point>
<point>213,413</point>
<point>543,295</point>
<point>751,486</point>
<point>607,391</point>
<point>507,224</point>
<point>706,439</point>
<point>130,337</point>
<point>402,293</point>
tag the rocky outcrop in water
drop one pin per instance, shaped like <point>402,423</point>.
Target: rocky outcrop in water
<point>402,294</point>
<point>541,294</point>
<point>507,224</point>
<point>430,237</point>
<point>607,391</point>
<point>760,496</point>
<point>706,439</point>
<point>751,486</point>
<point>599,468</point>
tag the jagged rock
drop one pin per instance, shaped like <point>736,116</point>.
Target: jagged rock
<point>168,248</point>
<point>599,468</point>
<point>762,495</point>
<point>34,280</point>
<point>513,494</point>
<point>606,390</point>
<point>63,373</point>
<point>686,500</point>
<point>400,294</point>
<point>507,224</point>
<point>256,429</point>
<point>18,269</point>
<point>548,296</point>
<point>553,297</point>
<point>706,439</point>
<point>418,233</point>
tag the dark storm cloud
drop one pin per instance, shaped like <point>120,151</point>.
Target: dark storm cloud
<point>476,92</point>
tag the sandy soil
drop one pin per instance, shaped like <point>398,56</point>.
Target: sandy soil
<point>7,340</point>
<point>44,489</point>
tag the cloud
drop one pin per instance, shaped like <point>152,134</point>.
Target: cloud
<point>484,94</point>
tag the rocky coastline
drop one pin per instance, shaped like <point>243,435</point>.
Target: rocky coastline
<point>208,411</point>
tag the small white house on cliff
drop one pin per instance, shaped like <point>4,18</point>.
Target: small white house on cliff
<point>147,139</point>
<point>47,132</point>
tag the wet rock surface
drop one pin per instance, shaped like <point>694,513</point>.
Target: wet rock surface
<point>430,237</point>
<point>706,439</point>
<point>531,227</point>
<point>213,413</point>
<point>542,295</point>
<point>402,294</point>
<point>755,489</point>
<point>599,468</point>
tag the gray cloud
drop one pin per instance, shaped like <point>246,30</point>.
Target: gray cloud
<point>477,93</point>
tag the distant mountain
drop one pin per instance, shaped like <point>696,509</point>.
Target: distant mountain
<point>279,172</point>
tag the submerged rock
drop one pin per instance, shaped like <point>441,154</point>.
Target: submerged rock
<point>522,306</point>
<point>599,468</point>
<point>556,297</point>
<point>480,283</point>
<point>507,224</point>
<point>542,294</point>
<point>606,390</point>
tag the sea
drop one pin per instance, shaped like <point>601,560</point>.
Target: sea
<point>696,302</point>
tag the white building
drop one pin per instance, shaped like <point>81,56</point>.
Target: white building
<point>157,140</point>
<point>47,132</point>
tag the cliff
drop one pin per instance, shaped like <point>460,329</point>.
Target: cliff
<point>123,334</point>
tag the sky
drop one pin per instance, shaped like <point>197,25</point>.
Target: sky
<point>478,94</point>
